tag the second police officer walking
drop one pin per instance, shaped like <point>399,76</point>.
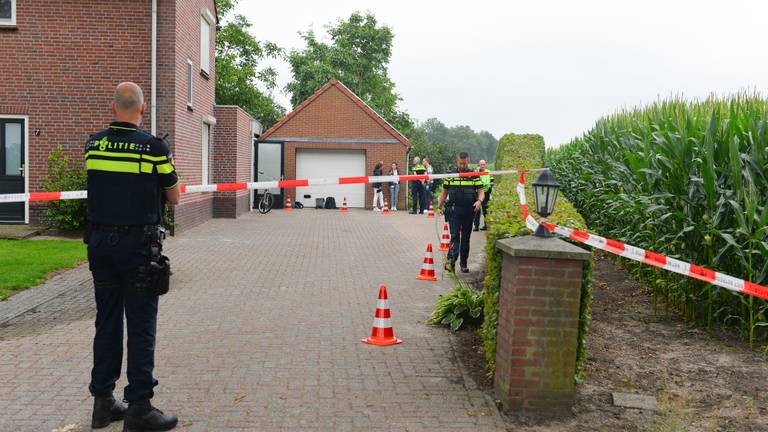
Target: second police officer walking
<point>463,197</point>
<point>130,178</point>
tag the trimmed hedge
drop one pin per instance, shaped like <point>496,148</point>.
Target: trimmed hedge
<point>505,220</point>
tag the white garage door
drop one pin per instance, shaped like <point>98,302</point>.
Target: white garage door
<point>311,163</point>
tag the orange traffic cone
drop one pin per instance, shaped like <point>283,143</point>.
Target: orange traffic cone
<point>431,212</point>
<point>344,208</point>
<point>428,267</point>
<point>288,204</point>
<point>386,207</point>
<point>382,333</point>
<point>445,240</point>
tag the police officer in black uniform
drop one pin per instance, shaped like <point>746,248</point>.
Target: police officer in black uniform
<point>464,198</point>
<point>130,178</point>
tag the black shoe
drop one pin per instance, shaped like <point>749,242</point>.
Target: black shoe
<point>142,417</point>
<point>484,228</point>
<point>106,410</point>
<point>411,212</point>
<point>476,228</point>
<point>464,268</point>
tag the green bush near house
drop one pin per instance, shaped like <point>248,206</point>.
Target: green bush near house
<point>506,220</point>
<point>26,263</point>
<point>65,175</point>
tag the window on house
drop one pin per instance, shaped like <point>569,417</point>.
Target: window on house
<point>206,23</point>
<point>189,83</point>
<point>206,151</point>
<point>7,12</point>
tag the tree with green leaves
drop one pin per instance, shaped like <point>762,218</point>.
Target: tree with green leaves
<point>240,79</point>
<point>479,145</point>
<point>358,56</point>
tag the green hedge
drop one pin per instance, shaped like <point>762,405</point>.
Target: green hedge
<point>505,220</point>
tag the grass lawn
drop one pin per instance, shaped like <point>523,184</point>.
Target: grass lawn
<point>25,263</point>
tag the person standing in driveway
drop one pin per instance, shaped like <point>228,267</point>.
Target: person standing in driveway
<point>417,187</point>
<point>394,186</point>
<point>378,195</point>
<point>130,178</point>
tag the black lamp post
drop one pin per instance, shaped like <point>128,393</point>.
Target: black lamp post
<point>545,190</point>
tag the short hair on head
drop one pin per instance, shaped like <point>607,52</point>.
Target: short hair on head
<point>128,96</point>
<point>417,159</point>
<point>463,155</point>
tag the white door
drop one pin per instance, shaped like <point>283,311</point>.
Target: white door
<point>312,163</point>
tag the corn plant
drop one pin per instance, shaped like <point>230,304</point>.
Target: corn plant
<point>687,179</point>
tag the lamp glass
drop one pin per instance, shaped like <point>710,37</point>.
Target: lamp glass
<point>545,190</point>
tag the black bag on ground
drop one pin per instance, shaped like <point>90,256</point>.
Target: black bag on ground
<point>330,203</point>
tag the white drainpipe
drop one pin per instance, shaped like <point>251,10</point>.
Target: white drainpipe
<point>153,103</point>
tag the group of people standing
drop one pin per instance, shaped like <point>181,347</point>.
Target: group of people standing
<point>394,187</point>
<point>421,189</point>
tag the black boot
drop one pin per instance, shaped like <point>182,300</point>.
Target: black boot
<point>106,410</point>
<point>477,228</point>
<point>143,417</point>
<point>464,268</point>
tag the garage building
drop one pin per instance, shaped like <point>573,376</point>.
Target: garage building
<point>333,133</point>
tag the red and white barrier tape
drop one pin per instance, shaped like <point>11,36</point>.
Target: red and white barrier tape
<point>281,184</point>
<point>642,255</point>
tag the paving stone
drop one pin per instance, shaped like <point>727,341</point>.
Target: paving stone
<point>261,331</point>
<point>631,400</point>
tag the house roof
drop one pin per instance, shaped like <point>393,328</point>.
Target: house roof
<point>353,97</point>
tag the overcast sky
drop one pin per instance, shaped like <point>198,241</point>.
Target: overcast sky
<point>547,67</point>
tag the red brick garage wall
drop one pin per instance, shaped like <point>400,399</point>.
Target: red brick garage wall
<point>335,114</point>
<point>373,153</point>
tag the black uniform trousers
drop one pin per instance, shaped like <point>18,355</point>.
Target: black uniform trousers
<point>419,195</point>
<point>114,256</point>
<point>460,224</point>
<point>485,210</point>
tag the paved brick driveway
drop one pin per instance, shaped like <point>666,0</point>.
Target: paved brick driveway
<point>261,332</point>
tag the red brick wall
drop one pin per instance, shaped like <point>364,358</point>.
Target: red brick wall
<point>537,333</point>
<point>334,115</point>
<point>232,159</point>
<point>198,207</point>
<point>61,64</point>
<point>373,153</point>
<point>60,67</point>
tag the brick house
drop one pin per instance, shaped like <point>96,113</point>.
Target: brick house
<point>60,62</point>
<point>333,133</point>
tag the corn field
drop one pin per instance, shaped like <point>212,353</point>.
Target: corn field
<point>686,179</point>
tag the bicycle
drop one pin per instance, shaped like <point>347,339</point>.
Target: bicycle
<point>265,201</point>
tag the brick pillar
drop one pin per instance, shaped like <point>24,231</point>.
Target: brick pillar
<point>538,323</point>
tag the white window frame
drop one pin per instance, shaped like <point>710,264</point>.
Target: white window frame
<point>190,83</point>
<point>12,22</point>
<point>206,21</point>
<point>205,153</point>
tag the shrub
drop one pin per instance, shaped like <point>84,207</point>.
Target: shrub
<point>459,306</point>
<point>65,175</point>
